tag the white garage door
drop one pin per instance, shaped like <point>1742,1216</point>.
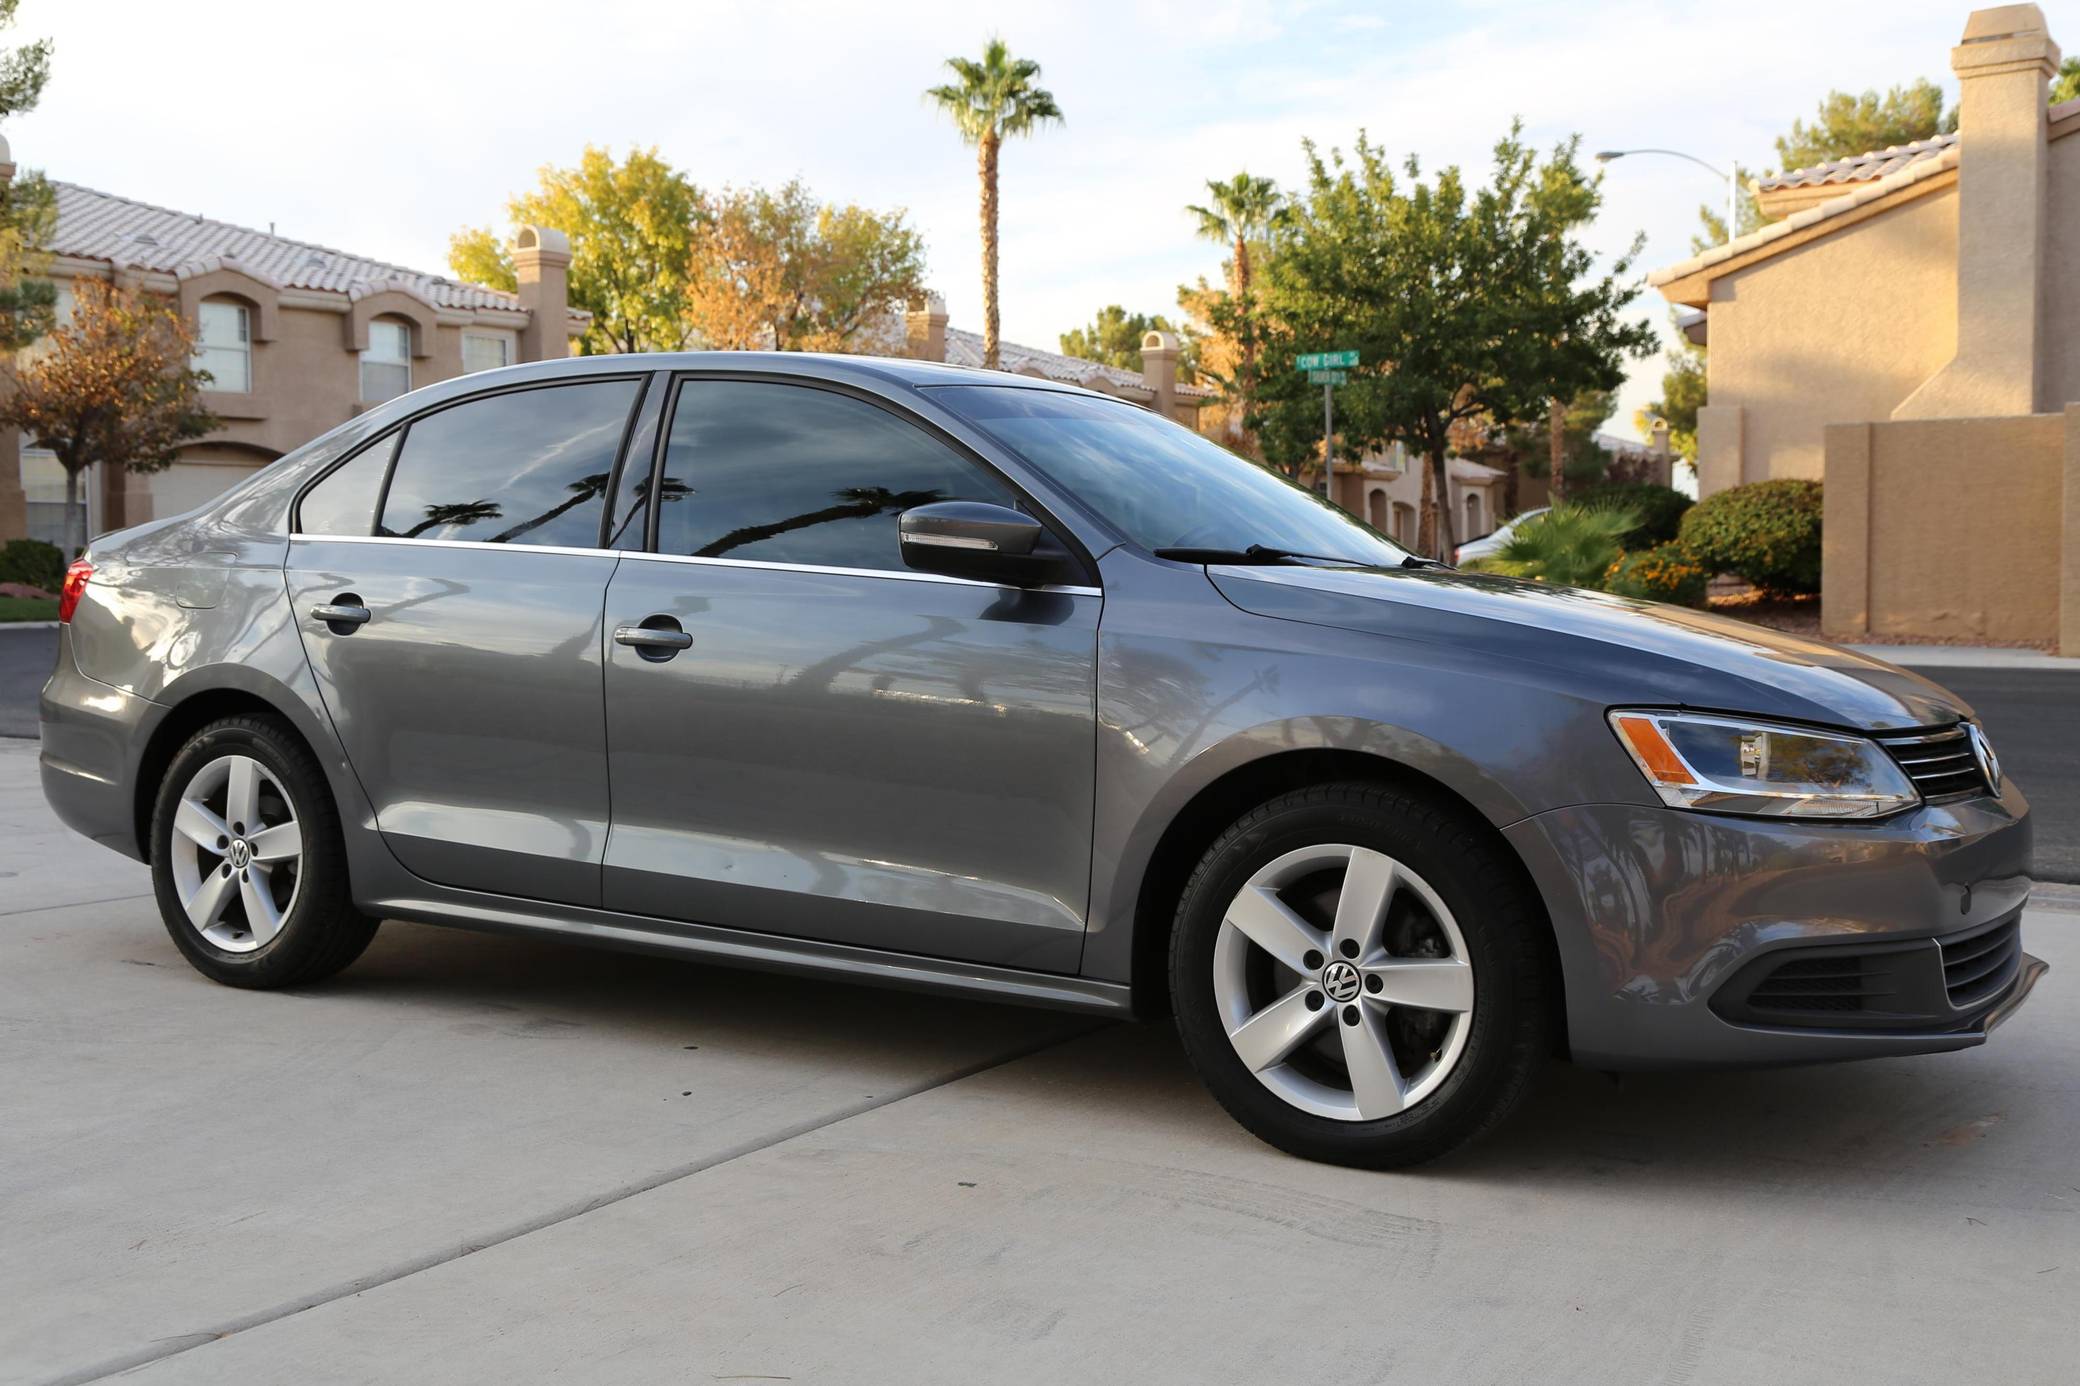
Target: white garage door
<point>195,481</point>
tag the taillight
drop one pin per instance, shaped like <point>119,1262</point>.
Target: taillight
<point>75,587</point>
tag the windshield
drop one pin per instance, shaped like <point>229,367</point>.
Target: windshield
<point>1161,484</point>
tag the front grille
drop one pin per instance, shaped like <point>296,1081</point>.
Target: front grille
<point>1976,969</point>
<point>1940,764</point>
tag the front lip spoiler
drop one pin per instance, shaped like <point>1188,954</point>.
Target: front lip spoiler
<point>2032,969</point>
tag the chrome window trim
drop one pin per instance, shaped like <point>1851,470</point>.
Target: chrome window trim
<point>632,555</point>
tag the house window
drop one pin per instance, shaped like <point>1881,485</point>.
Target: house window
<point>386,364</point>
<point>224,346</point>
<point>1404,524</point>
<point>485,353</point>
<point>1376,509</point>
<point>1473,515</point>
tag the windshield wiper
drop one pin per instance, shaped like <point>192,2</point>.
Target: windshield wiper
<point>1255,553</point>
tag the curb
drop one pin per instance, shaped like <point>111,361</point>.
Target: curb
<point>27,625</point>
<point>1968,657</point>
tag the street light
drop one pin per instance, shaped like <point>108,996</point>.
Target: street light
<point>1732,180</point>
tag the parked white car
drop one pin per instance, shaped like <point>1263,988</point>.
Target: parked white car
<point>1488,545</point>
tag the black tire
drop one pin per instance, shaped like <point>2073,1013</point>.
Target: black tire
<point>1508,1035</point>
<point>321,931</point>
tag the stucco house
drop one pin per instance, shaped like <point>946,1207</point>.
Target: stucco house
<point>298,337</point>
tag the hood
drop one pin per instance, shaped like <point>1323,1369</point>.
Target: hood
<point>1625,651</point>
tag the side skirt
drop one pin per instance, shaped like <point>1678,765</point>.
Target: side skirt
<point>765,952</point>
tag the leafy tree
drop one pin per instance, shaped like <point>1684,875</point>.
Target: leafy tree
<point>1462,303</point>
<point>1114,338</point>
<point>780,271</point>
<point>1847,123</point>
<point>27,208</point>
<point>112,386</point>
<point>993,100</point>
<point>1682,395</point>
<point>2066,86</point>
<point>632,227</point>
<point>1242,214</point>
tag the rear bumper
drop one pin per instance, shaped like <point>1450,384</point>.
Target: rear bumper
<point>92,734</point>
<point>1667,922</point>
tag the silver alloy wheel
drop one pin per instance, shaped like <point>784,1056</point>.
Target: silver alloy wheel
<point>236,852</point>
<point>1355,1017</point>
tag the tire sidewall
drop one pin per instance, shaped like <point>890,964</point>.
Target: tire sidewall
<point>1416,834</point>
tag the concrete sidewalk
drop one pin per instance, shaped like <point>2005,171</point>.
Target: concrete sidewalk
<point>484,1159</point>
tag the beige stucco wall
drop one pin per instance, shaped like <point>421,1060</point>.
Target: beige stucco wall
<point>1837,330</point>
<point>1904,556</point>
<point>2062,259</point>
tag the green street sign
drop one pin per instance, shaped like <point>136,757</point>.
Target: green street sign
<point>1325,360</point>
<point>1328,377</point>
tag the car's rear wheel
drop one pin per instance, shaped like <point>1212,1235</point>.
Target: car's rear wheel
<point>247,859</point>
<point>1358,976</point>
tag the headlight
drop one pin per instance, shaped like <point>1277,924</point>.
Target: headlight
<point>1729,765</point>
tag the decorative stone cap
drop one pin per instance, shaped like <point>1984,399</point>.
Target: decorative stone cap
<point>2005,38</point>
<point>542,244</point>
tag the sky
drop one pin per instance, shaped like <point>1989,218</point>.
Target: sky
<point>383,126</point>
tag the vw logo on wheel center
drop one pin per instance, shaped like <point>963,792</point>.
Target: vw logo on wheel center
<point>1341,981</point>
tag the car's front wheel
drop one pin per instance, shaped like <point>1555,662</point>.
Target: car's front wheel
<point>1358,976</point>
<point>247,860</point>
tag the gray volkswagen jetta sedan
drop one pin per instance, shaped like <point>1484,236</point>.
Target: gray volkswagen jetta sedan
<point>953,680</point>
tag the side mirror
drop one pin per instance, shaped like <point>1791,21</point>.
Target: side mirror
<point>988,543</point>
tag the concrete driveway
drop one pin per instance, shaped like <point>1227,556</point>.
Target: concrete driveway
<point>482,1159</point>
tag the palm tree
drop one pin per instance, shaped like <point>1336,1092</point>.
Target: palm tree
<point>993,101</point>
<point>1243,210</point>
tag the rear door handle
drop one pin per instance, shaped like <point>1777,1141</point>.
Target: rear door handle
<point>657,641</point>
<point>342,614</point>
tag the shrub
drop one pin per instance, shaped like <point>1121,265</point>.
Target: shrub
<point>33,562</point>
<point>1665,573</point>
<point>1569,545</point>
<point>1660,510</point>
<point>1766,531</point>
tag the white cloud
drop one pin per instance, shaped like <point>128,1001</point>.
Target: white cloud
<point>385,127</point>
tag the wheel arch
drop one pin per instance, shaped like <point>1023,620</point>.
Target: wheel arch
<point>1217,804</point>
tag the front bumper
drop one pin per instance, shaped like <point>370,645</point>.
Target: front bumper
<point>1668,921</point>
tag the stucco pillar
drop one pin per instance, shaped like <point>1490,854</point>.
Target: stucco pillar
<point>542,262</point>
<point>1721,443</point>
<point>1845,531</point>
<point>2069,542</point>
<point>1159,372</point>
<point>14,507</point>
<point>2002,172</point>
<point>924,329</point>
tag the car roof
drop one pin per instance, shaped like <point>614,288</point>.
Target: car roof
<point>900,369</point>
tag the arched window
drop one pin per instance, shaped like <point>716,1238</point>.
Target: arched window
<point>224,345</point>
<point>1376,509</point>
<point>1404,524</point>
<point>386,363</point>
<point>1473,514</point>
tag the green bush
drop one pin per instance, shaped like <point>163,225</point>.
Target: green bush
<point>34,562</point>
<point>1766,531</point>
<point>1665,573</point>
<point>1569,545</point>
<point>1660,510</point>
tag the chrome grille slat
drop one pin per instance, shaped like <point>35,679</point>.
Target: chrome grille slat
<point>1940,763</point>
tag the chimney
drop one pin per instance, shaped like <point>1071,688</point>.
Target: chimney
<point>542,262</point>
<point>1159,371</point>
<point>2006,57</point>
<point>924,329</point>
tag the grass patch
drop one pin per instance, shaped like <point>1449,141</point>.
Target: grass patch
<point>28,609</point>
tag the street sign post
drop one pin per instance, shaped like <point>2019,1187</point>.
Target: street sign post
<point>1327,369</point>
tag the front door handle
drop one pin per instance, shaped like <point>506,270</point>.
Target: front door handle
<point>342,614</point>
<point>658,638</point>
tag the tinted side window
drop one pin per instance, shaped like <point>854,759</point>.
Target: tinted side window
<point>526,467</point>
<point>345,501</point>
<point>792,474</point>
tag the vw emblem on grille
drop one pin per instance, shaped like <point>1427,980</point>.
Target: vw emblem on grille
<point>1982,751</point>
<point>1341,981</point>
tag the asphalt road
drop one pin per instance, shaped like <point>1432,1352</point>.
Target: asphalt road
<point>2033,716</point>
<point>482,1159</point>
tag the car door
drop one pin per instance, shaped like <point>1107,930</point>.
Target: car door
<point>447,582</point>
<point>807,738</point>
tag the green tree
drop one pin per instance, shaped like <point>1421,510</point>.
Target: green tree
<point>632,226</point>
<point>1848,123</point>
<point>113,386</point>
<point>1114,337</point>
<point>1682,395</point>
<point>781,271</point>
<point>1462,302</point>
<point>993,100</point>
<point>27,208</point>
<point>2066,86</point>
<point>1242,214</point>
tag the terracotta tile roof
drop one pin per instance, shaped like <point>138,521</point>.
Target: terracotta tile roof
<point>964,348</point>
<point>1860,168</point>
<point>128,234</point>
